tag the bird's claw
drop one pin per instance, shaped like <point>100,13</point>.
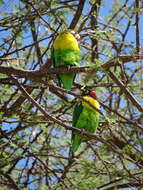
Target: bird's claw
<point>68,67</point>
<point>82,131</point>
<point>83,87</point>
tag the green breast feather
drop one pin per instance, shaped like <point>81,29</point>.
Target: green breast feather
<point>64,58</point>
<point>83,118</point>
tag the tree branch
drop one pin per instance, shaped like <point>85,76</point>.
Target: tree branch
<point>12,184</point>
<point>51,118</point>
<point>37,74</point>
<point>77,14</point>
<point>137,27</point>
<point>126,91</point>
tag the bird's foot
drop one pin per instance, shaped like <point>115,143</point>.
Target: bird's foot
<point>68,67</point>
<point>83,87</point>
<point>82,131</point>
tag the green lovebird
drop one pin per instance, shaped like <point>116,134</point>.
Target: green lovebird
<point>85,117</point>
<point>66,53</point>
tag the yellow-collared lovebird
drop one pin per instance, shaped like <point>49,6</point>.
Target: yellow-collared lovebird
<point>66,53</point>
<point>85,117</point>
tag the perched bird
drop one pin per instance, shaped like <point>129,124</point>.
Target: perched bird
<point>85,117</point>
<point>66,53</point>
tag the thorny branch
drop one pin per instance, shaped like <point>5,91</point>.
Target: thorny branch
<point>33,74</point>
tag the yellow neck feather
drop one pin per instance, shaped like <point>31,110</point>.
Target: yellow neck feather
<point>92,101</point>
<point>66,40</point>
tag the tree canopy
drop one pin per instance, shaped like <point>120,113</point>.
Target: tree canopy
<point>36,114</point>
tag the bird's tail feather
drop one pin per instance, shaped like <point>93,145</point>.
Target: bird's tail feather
<point>67,80</point>
<point>75,143</point>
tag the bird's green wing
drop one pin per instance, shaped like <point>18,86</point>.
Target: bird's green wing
<point>54,65</point>
<point>76,140</point>
<point>77,111</point>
